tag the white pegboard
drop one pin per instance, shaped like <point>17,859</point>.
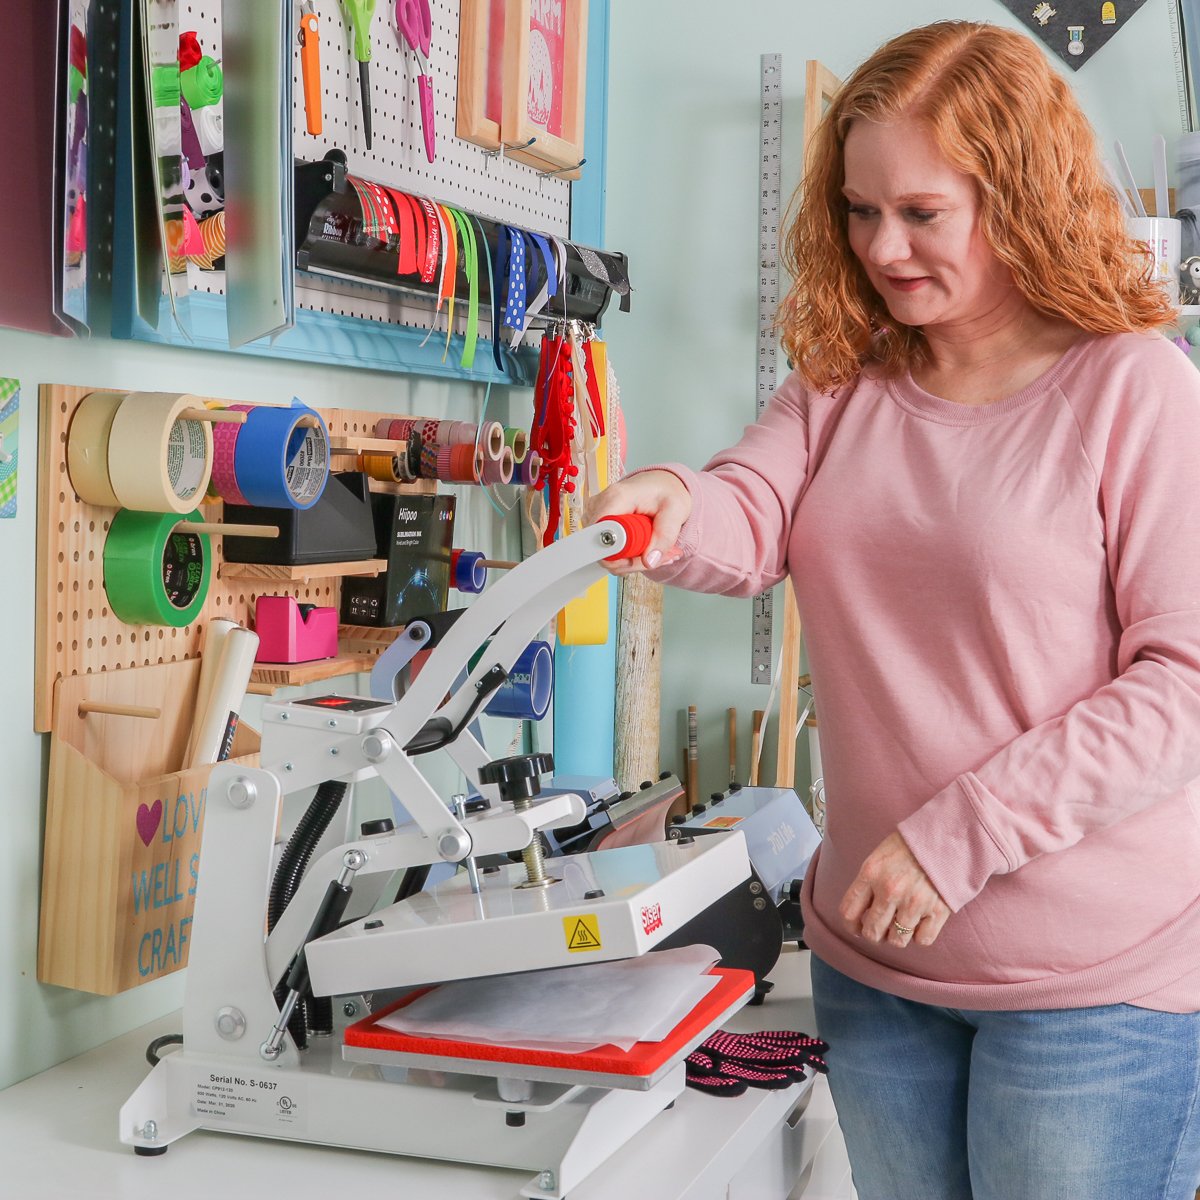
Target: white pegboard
<point>461,174</point>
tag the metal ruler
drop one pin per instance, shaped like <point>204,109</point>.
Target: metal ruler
<point>770,148</point>
<point>1182,72</point>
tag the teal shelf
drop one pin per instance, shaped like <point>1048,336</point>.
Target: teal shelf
<point>336,340</point>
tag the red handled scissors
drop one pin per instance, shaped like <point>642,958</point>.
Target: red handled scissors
<point>414,23</point>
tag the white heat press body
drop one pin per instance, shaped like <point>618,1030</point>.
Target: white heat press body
<point>239,1069</point>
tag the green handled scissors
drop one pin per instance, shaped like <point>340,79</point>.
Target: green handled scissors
<point>359,15</point>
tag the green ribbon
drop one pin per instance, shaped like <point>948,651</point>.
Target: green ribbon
<point>471,266</point>
<point>164,84</point>
<point>202,84</point>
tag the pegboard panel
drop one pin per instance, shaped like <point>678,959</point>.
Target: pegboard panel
<point>461,174</point>
<point>76,632</point>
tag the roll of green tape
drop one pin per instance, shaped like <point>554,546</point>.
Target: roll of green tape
<point>154,575</point>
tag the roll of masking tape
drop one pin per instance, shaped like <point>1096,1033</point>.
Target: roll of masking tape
<point>279,462</point>
<point>467,572</point>
<point>87,448</point>
<point>154,575</point>
<point>157,462</point>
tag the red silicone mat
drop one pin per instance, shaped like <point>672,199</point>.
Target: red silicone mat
<point>643,1058</point>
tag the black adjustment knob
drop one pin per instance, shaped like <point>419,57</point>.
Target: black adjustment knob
<point>383,825</point>
<point>697,809</point>
<point>678,819</point>
<point>663,775</point>
<point>624,795</point>
<point>519,776</point>
<point>794,890</point>
<point>716,797</point>
<point>645,784</point>
<point>735,787</point>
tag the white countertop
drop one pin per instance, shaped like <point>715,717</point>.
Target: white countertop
<point>58,1136</point>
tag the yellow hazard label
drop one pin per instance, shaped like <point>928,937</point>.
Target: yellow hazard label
<point>582,933</point>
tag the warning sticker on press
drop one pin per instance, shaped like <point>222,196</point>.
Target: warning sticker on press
<point>260,1101</point>
<point>582,932</point>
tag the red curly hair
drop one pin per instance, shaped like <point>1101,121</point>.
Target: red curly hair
<point>1002,115</point>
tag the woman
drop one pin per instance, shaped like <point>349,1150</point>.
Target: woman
<point>984,480</point>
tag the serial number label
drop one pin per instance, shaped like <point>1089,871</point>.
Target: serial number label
<point>255,1101</point>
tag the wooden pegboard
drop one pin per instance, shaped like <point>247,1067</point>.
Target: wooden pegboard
<point>76,632</point>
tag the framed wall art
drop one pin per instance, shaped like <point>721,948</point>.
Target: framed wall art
<point>522,77</point>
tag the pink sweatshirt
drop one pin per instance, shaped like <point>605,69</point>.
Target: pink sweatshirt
<point>1001,606</point>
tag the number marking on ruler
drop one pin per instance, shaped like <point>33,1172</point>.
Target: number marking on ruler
<point>770,147</point>
<point>1182,73</point>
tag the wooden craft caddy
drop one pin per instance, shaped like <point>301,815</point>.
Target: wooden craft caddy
<point>123,822</point>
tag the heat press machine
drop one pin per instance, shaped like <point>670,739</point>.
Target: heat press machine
<point>272,941</point>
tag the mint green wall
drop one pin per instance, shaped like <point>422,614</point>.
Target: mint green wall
<point>44,1025</point>
<point>682,184</point>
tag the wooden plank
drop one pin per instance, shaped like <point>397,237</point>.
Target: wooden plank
<point>639,681</point>
<point>820,86</point>
<point>373,639</point>
<point>295,674</point>
<point>302,574</point>
<point>385,445</point>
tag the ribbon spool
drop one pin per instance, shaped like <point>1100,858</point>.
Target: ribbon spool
<point>467,572</point>
<point>154,575</point>
<point>279,461</point>
<point>148,432</point>
<point>525,694</point>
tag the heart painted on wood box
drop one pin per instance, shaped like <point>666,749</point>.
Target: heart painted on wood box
<point>148,817</point>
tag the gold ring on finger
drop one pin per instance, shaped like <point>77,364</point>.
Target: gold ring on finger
<point>905,930</point>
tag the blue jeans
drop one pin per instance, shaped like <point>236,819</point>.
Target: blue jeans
<point>1052,1104</point>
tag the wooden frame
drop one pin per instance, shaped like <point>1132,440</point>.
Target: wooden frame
<point>820,86</point>
<point>482,49</point>
<point>472,122</point>
<point>564,151</point>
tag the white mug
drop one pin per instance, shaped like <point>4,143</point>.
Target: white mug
<point>1161,235</point>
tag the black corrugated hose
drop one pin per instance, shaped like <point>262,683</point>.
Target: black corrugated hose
<point>292,865</point>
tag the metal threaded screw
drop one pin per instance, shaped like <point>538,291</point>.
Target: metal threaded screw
<point>535,864</point>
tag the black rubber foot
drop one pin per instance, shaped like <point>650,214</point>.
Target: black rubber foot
<point>150,1151</point>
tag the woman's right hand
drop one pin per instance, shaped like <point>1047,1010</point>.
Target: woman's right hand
<point>661,496</point>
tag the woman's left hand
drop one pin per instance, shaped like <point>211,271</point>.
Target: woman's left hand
<point>892,898</point>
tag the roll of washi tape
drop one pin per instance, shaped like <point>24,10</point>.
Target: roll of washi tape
<point>462,432</point>
<point>156,461</point>
<point>87,448</point>
<point>491,439</point>
<point>224,477</point>
<point>498,470</point>
<point>517,440</point>
<point>383,427</point>
<point>466,464</point>
<point>529,471</point>
<point>467,571</point>
<point>381,465</point>
<point>525,694</point>
<point>153,574</point>
<point>443,464</point>
<point>280,462</point>
<point>429,461</point>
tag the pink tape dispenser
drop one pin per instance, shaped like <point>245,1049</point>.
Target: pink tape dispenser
<point>289,632</point>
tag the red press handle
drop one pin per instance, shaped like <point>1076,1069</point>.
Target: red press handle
<point>639,529</point>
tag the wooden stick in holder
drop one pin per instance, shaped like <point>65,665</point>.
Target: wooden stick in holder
<point>214,416</point>
<point>118,710</point>
<point>498,564</point>
<point>219,528</point>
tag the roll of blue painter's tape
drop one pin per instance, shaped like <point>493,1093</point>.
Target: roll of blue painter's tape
<point>526,693</point>
<point>470,575</point>
<point>279,462</point>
